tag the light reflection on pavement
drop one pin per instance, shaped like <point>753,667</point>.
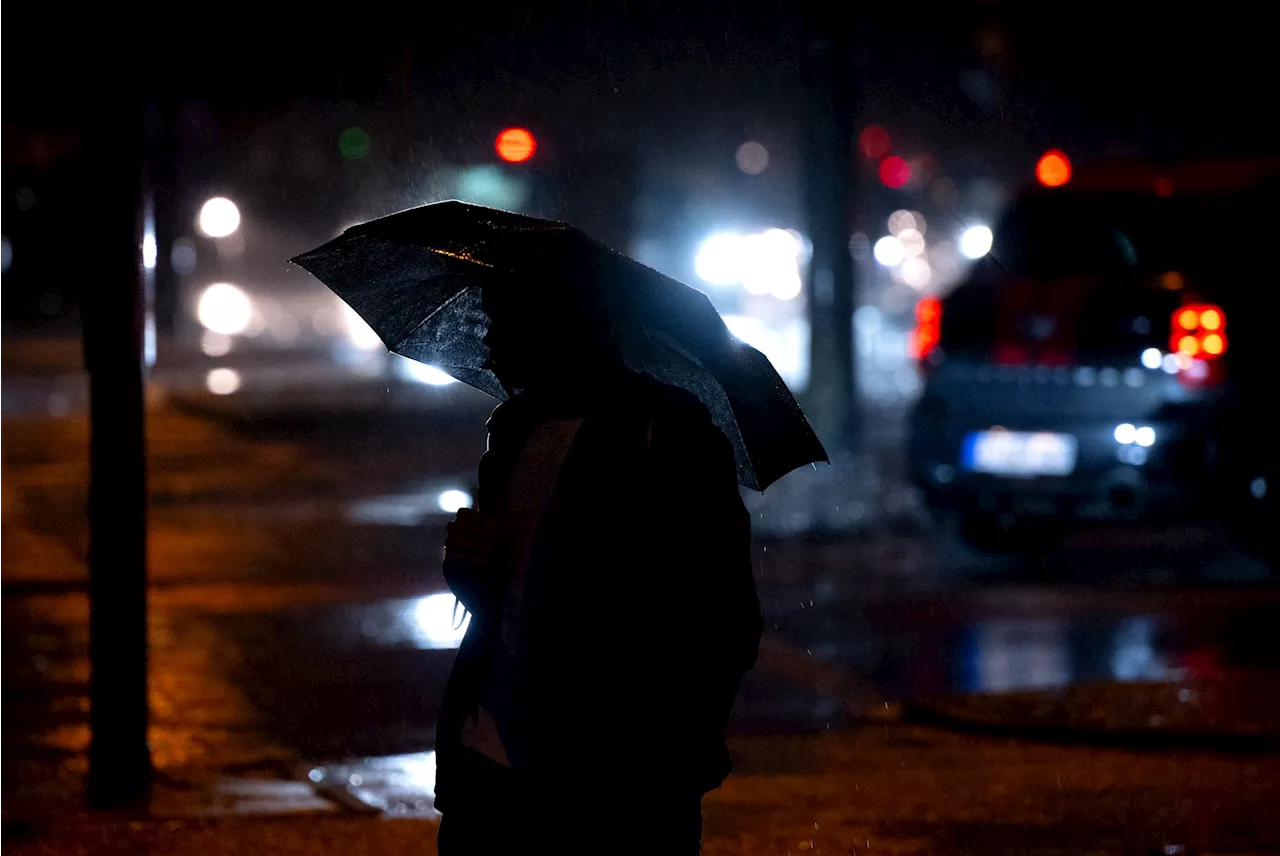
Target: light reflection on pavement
<point>285,643</point>
<point>397,785</point>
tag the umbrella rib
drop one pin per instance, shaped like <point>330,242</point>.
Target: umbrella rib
<point>433,313</point>
<point>466,257</point>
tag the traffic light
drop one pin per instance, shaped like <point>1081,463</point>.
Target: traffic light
<point>895,172</point>
<point>515,145</point>
<point>1054,168</point>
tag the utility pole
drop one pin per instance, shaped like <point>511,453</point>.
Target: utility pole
<point>828,185</point>
<point>120,769</point>
<point>161,156</point>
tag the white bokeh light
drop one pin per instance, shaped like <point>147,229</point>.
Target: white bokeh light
<point>358,330</point>
<point>975,242</point>
<point>1152,358</point>
<point>224,308</point>
<point>916,272</point>
<point>1145,436</point>
<point>423,373</point>
<point>768,262</point>
<point>788,287</point>
<point>889,251</point>
<point>784,345</point>
<point>219,217</point>
<point>222,381</point>
<point>149,251</point>
<point>719,259</point>
<point>453,499</point>
<point>1125,433</point>
<point>771,264</point>
<point>900,220</point>
<point>912,242</point>
<point>752,158</point>
<point>440,621</point>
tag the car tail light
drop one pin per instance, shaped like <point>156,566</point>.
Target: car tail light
<point>928,327</point>
<point>1198,337</point>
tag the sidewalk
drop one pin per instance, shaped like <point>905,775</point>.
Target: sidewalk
<point>885,788</point>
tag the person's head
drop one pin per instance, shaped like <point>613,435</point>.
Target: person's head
<point>546,338</point>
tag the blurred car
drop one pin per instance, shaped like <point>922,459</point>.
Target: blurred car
<point>1112,358</point>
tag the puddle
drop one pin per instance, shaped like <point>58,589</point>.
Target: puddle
<point>396,785</point>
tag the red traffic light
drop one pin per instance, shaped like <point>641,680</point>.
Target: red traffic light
<point>515,145</point>
<point>895,172</point>
<point>874,142</point>
<point>1053,169</point>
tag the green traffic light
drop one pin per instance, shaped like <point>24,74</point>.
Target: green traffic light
<point>354,143</point>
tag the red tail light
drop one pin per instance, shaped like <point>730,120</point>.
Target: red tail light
<point>928,327</point>
<point>1198,336</point>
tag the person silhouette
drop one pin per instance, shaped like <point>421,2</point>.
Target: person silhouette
<point>607,570</point>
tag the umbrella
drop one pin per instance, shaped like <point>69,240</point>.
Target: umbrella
<point>416,278</point>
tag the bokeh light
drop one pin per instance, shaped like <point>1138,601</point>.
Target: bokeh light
<point>752,158</point>
<point>450,501</point>
<point>440,620</point>
<point>1053,169</point>
<point>719,259</point>
<point>912,242</point>
<point>354,144</point>
<point>222,381</point>
<point>975,242</point>
<point>768,262</point>
<point>224,308</point>
<point>916,272</point>
<point>895,172</point>
<point>889,251</point>
<point>422,373</point>
<point>219,217</point>
<point>183,256</point>
<point>874,142</point>
<point>515,145</point>
<point>902,219</point>
<point>358,331</point>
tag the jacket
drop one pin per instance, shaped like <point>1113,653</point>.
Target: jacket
<point>641,614</point>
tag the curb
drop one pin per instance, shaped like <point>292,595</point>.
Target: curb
<point>922,713</point>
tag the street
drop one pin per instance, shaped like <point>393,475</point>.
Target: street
<point>301,633</point>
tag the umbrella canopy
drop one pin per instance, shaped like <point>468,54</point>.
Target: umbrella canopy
<point>417,276</point>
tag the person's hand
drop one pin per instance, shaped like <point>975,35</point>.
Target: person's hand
<point>471,539</point>
<point>472,550</point>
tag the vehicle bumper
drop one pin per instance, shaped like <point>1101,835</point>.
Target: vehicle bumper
<point>1110,480</point>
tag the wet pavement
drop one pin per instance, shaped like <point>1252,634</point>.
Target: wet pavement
<point>301,634</point>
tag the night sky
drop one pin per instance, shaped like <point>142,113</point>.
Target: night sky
<point>1082,75</point>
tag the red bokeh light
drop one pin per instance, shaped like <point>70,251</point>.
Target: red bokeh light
<point>1054,168</point>
<point>895,172</point>
<point>874,142</point>
<point>515,145</point>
